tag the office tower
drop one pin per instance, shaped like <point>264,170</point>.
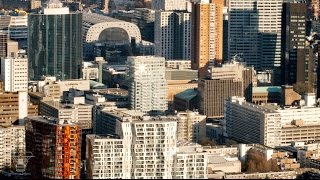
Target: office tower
<point>207,34</point>
<point>191,126</point>
<point>3,44</point>
<point>139,152</point>
<point>56,145</point>
<point>255,32</point>
<point>14,74</point>
<point>293,49</point>
<point>34,4</point>
<point>55,42</point>
<point>232,79</point>
<point>172,34</point>
<point>169,5</point>
<point>12,142</point>
<point>147,84</point>
<point>270,125</point>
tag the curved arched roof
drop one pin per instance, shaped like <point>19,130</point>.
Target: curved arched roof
<point>96,23</point>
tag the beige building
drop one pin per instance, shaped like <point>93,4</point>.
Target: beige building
<point>232,79</point>
<point>207,34</point>
<point>191,126</point>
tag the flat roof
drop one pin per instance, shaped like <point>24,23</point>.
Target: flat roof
<point>266,89</point>
<point>187,94</point>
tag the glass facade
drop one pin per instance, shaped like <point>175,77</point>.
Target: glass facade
<point>55,45</point>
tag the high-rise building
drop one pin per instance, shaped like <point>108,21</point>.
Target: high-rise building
<point>297,64</point>
<point>172,34</point>
<point>255,32</point>
<point>55,42</point>
<point>207,34</point>
<point>147,84</point>
<point>232,79</point>
<point>14,74</point>
<point>56,145</point>
<point>12,142</point>
<point>169,5</point>
<point>144,149</point>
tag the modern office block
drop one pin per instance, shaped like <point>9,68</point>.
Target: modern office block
<point>207,34</point>
<point>56,145</point>
<point>55,42</point>
<point>147,84</point>
<point>232,79</point>
<point>296,63</point>
<point>172,34</point>
<point>255,32</point>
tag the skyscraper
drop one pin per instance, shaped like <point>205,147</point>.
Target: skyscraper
<point>55,42</point>
<point>295,62</point>
<point>207,34</point>
<point>56,145</point>
<point>3,44</point>
<point>255,32</point>
<point>147,88</point>
<point>172,35</point>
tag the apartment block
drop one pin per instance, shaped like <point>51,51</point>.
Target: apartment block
<point>134,156</point>
<point>271,125</point>
<point>12,141</point>
<point>191,126</point>
<point>147,84</point>
<point>172,34</point>
<point>207,34</point>
<point>56,145</point>
<point>14,74</point>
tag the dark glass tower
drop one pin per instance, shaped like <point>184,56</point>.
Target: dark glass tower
<point>55,42</point>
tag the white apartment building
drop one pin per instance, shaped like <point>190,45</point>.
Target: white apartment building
<point>12,140</point>
<point>147,84</point>
<point>78,112</point>
<point>169,5</point>
<point>254,30</point>
<point>147,149</point>
<point>172,34</point>
<point>270,125</point>
<point>191,126</point>
<point>14,74</point>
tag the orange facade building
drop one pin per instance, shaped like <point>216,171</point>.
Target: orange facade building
<point>207,34</point>
<point>56,146</point>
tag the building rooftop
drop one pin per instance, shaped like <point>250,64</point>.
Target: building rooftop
<point>95,18</point>
<point>51,120</point>
<point>266,89</point>
<point>187,94</point>
<point>63,105</point>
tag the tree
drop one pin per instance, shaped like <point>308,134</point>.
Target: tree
<point>300,87</point>
<point>257,162</point>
